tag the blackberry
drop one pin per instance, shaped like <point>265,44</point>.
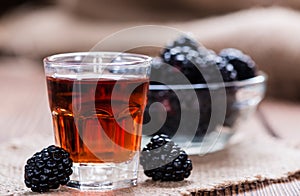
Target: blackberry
<point>48,169</point>
<point>183,59</point>
<point>244,68</point>
<point>163,160</point>
<point>242,63</point>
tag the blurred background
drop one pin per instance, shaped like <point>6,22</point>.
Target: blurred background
<point>267,30</point>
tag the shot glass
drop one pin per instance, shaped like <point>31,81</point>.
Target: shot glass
<point>97,101</point>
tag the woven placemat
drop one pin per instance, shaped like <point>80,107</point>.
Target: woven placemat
<point>257,157</point>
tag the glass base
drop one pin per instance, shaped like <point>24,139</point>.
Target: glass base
<point>104,176</point>
<point>212,142</point>
<point>105,186</point>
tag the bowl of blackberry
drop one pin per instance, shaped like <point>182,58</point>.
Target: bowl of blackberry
<point>199,97</point>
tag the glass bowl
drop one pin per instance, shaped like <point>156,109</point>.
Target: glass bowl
<point>201,118</point>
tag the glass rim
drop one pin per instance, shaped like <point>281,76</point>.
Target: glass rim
<point>58,60</point>
<point>259,79</point>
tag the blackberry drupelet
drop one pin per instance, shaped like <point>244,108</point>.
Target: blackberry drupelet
<point>242,63</point>
<point>184,41</point>
<point>163,160</point>
<point>48,169</point>
<point>227,71</point>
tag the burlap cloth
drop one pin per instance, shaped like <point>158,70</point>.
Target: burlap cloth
<point>254,158</point>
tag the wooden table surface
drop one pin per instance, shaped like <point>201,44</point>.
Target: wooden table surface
<point>24,104</point>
